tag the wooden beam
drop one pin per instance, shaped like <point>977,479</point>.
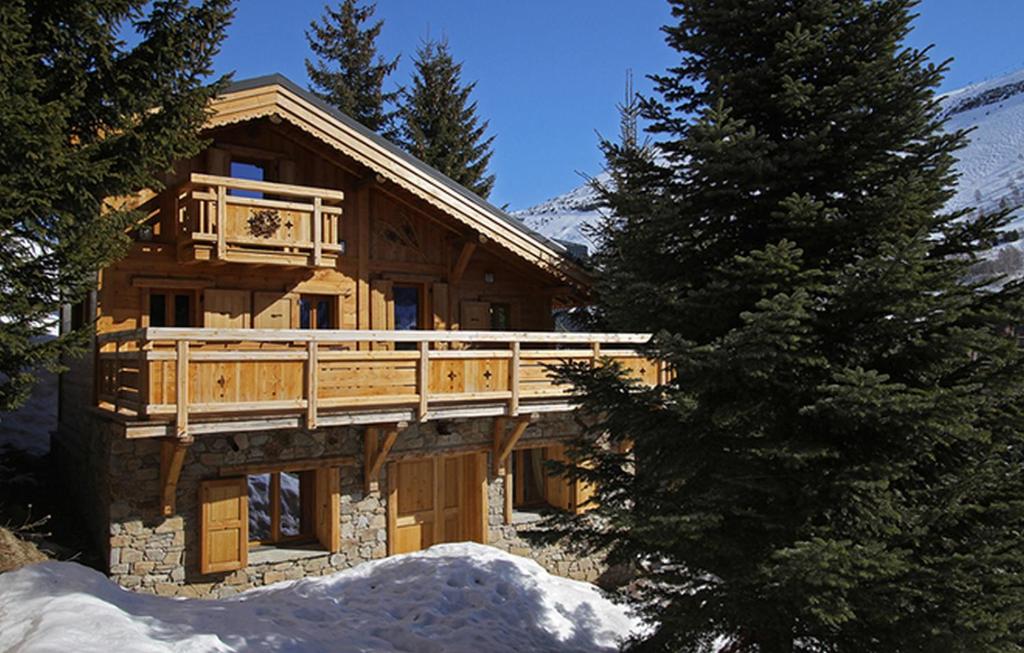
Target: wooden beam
<point>460,264</point>
<point>172,458</point>
<point>498,440</point>
<point>298,465</point>
<point>374,456</point>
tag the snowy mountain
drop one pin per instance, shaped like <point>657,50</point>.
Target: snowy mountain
<point>991,169</point>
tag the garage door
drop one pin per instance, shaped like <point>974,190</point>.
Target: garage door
<point>438,499</point>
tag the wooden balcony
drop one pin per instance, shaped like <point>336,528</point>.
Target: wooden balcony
<point>224,219</point>
<point>169,381</point>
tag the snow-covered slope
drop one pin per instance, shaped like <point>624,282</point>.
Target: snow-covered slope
<point>569,217</point>
<point>450,598</point>
<point>991,167</point>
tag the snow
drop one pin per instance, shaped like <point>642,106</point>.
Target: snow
<point>451,597</point>
<point>990,168</point>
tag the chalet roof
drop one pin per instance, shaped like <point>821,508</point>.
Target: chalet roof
<point>277,95</point>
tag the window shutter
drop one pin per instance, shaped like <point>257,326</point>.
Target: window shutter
<point>476,316</point>
<point>226,309</point>
<point>224,525</point>
<point>583,491</point>
<point>382,309</point>
<point>558,487</point>
<point>272,310</point>
<point>328,508</point>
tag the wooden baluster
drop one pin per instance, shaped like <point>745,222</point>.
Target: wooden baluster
<point>181,400</point>
<point>513,380</point>
<point>318,260</point>
<point>312,374</point>
<point>423,380</point>
<point>222,222</point>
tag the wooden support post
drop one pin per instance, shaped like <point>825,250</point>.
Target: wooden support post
<point>374,456</point>
<point>317,232</point>
<point>595,349</point>
<point>509,490</point>
<point>507,444</point>
<point>181,400</point>
<point>423,380</point>
<point>222,222</point>
<point>172,458</point>
<point>462,262</point>
<point>312,380</point>
<point>513,380</point>
<point>512,439</point>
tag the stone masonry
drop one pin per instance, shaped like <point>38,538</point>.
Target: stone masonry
<point>116,482</point>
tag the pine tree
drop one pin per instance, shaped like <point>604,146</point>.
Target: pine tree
<point>439,122</point>
<point>83,118</point>
<point>837,464</point>
<point>347,72</point>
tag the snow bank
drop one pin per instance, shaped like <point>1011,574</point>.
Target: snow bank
<point>452,597</point>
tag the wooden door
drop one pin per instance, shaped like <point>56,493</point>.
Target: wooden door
<point>226,309</point>
<point>452,497</point>
<point>413,498</point>
<point>439,499</point>
<point>272,310</point>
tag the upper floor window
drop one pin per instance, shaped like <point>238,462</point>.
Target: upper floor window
<point>171,308</point>
<point>247,170</point>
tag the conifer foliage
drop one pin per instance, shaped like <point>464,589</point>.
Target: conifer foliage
<point>837,463</point>
<point>84,118</point>
<point>439,121</point>
<point>347,72</point>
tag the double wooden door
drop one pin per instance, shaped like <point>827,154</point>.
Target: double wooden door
<point>435,500</point>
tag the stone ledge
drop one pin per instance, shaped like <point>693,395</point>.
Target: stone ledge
<point>274,554</point>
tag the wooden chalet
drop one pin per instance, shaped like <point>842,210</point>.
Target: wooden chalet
<point>319,351</point>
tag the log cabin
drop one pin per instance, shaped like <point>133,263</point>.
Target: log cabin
<point>319,351</point>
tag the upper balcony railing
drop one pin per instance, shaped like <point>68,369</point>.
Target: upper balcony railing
<point>198,380</point>
<point>245,221</point>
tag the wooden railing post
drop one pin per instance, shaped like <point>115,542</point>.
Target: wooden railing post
<point>513,380</point>
<point>143,377</point>
<point>117,376</point>
<point>312,374</point>
<point>423,380</point>
<point>595,352</point>
<point>181,399</point>
<point>222,222</point>
<point>317,232</point>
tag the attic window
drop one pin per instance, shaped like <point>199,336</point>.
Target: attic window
<point>250,171</point>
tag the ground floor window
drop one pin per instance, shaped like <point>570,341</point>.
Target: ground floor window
<point>281,506</point>
<point>534,488</point>
<point>267,509</point>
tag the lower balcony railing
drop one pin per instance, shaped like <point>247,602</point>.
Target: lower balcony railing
<point>180,376</point>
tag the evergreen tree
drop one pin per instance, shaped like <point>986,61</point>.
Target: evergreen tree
<point>84,119</point>
<point>439,122</point>
<point>348,73</point>
<point>837,463</point>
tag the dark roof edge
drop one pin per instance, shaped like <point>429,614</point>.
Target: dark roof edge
<point>277,78</point>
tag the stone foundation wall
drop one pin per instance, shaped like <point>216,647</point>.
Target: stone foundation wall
<point>151,553</point>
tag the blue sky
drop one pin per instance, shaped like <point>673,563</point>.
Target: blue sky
<point>549,72</point>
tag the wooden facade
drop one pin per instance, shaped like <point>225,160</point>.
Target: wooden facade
<point>301,273</point>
